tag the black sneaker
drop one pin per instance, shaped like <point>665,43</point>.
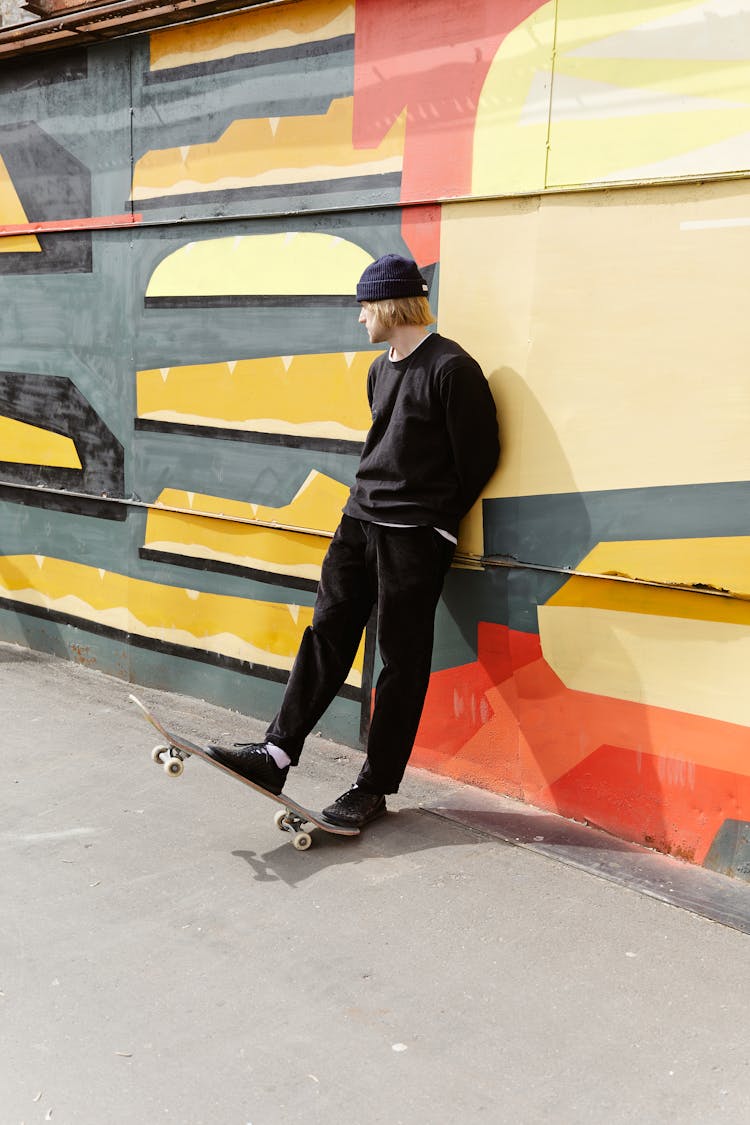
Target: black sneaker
<point>355,808</point>
<point>252,760</point>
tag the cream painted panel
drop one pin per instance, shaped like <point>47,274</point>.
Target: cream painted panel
<point>294,263</point>
<point>510,132</point>
<point>644,86</point>
<point>487,272</point>
<point>613,329</point>
<point>699,667</point>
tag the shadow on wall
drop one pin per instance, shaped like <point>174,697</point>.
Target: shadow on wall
<point>532,535</point>
<point>509,722</point>
<point>611,773</point>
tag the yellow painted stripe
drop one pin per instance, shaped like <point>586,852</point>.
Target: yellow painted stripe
<point>199,537</point>
<point>12,213</point>
<point>262,30</point>
<point>317,505</point>
<point>701,667</point>
<point>266,633</point>
<point>30,445</point>
<point>321,395</point>
<point>652,601</point>
<point>263,151</point>
<point>294,263</point>
<point>722,563</point>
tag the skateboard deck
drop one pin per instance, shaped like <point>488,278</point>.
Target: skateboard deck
<point>291,817</point>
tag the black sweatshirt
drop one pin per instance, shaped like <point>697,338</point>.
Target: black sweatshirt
<point>433,443</point>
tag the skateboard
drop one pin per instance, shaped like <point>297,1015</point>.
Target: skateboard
<point>291,817</point>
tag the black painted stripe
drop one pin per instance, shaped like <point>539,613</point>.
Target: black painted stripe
<point>220,566</point>
<point>77,505</point>
<point>255,300</point>
<point>288,441</point>
<point>166,648</point>
<point>384,180</point>
<point>320,48</point>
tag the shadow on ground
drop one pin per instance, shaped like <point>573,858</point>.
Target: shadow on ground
<point>408,831</point>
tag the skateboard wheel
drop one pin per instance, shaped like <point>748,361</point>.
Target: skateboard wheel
<point>174,767</point>
<point>157,754</point>
<point>302,841</point>
<point>280,820</point>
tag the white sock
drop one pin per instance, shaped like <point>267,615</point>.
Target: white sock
<point>280,757</point>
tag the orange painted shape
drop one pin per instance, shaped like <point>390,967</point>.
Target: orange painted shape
<point>420,230</point>
<point>672,805</point>
<point>99,222</point>
<point>507,723</point>
<point>468,729</point>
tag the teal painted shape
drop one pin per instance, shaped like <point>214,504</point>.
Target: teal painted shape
<point>730,851</point>
<point>226,688</point>
<point>560,530</point>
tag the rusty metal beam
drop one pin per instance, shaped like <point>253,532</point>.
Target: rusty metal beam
<point>109,21</point>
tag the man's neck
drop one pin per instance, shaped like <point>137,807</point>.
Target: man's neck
<point>405,339</point>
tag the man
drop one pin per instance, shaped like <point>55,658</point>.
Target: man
<point>432,446</point>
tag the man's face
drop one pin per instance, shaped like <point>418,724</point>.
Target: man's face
<point>368,315</point>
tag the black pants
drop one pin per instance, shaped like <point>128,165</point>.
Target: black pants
<point>401,570</point>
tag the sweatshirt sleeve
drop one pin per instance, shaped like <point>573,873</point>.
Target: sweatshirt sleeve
<point>471,419</point>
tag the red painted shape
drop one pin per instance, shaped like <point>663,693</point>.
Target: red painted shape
<point>508,723</point>
<point>460,733</point>
<point>672,805</point>
<point>420,230</point>
<point>100,222</point>
<point>431,58</point>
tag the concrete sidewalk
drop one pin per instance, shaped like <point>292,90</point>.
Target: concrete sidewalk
<point>166,955</point>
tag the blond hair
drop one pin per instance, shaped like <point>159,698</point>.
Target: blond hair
<point>394,312</point>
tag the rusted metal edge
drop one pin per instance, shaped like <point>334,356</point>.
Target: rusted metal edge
<point>462,559</point>
<point>133,218</point>
<point>509,563</point>
<point>134,502</point>
<point>109,21</point>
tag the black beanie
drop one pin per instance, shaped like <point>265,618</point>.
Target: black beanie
<point>391,276</point>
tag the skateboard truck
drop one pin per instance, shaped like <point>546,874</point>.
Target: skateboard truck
<point>291,822</point>
<point>172,760</point>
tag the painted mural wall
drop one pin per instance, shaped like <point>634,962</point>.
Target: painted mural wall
<point>183,218</point>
